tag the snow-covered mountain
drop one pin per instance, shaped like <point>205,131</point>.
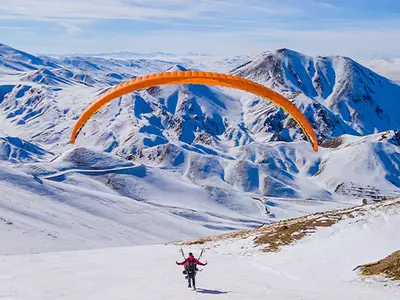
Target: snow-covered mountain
<point>15,60</point>
<point>203,159</point>
<point>190,60</point>
<point>337,94</point>
<point>15,150</point>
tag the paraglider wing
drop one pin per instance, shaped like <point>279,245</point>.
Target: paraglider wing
<point>193,77</point>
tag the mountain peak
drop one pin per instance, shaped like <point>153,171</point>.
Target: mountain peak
<point>281,52</point>
<point>359,96</point>
<point>287,51</point>
<point>176,68</point>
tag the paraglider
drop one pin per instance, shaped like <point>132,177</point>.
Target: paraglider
<point>195,77</point>
<point>190,265</point>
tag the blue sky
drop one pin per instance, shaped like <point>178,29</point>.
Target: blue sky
<point>357,28</point>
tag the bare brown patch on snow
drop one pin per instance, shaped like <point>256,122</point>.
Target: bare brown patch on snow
<point>333,143</point>
<point>389,266</point>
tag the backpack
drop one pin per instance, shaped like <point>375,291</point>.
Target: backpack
<point>191,267</point>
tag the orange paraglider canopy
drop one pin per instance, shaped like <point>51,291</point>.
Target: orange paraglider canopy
<point>194,77</point>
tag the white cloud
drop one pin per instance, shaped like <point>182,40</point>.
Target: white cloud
<point>271,7</point>
<point>356,43</point>
<point>142,9</point>
<point>210,26</point>
<point>13,28</point>
<point>89,9</point>
<point>71,29</point>
<point>74,15</point>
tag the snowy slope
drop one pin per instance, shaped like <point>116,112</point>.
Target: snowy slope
<point>373,156</point>
<point>42,215</point>
<point>13,149</point>
<point>13,60</point>
<point>318,267</point>
<point>85,199</point>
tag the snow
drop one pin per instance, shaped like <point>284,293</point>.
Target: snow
<point>90,208</point>
<point>191,60</point>
<point>15,150</point>
<point>358,157</point>
<point>86,199</point>
<point>318,267</point>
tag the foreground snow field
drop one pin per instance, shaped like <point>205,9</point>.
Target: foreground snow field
<point>318,267</point>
